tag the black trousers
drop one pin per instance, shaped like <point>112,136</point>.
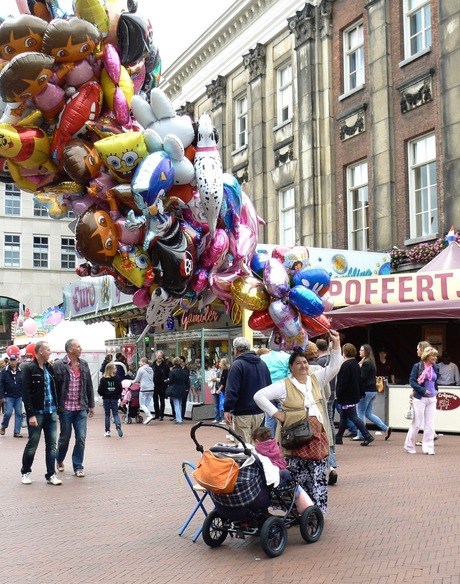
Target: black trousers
<point>350,414</point>
<point>159,402</point>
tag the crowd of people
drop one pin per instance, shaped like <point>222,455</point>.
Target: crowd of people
<point>263,388</point>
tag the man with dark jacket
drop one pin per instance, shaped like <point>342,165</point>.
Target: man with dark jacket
<point>40,402</point>
<point>247,375</point>
<point>160,374</point>
<point>76,403</point>
<point>11,394</point>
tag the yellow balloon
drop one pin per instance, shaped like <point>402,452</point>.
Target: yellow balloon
<point>249,293</point>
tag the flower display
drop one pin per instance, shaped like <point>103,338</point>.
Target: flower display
<point>421,253</point>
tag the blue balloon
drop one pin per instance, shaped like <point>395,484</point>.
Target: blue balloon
<point>306,301</point>
<point>258,262</point>
<point>316,279</point>
<point>153,179</point>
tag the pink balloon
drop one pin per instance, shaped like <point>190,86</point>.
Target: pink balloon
<point>285,317</point>
<point>112,63</point>
<point>276,279</point>
<point>215,253</point>
<point>249,215</point>
<point>30,327</point>
<point>243,243</point>
<point>200,280</point>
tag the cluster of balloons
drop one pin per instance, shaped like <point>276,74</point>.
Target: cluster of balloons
<point>84,128</point>
<point>286,297</point>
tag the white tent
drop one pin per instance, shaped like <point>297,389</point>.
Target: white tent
<point>91,337</point>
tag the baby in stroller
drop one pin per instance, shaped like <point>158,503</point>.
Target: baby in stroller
<point>268,448</point>
<point>129,403</point>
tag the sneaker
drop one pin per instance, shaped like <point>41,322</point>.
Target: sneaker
<point>60,466</point>
<point>379,433</point>
<point>26,480</point>
<point>80,473</point>
<point>107,434</point>
<point>357,439</point>
<point>418,444</point>
<point>120,431</point>
<point>2,431</point>
<point>148,419</point>
<point>17,435</point>
<point>53,480</point>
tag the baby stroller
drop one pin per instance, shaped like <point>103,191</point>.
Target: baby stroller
<point>253,508</point>
<point>129,403</point>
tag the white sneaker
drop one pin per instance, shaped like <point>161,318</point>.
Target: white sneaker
<point>107,434</point>
<point>26,480</point>
<point>148,419</point>
<point>53,480</point>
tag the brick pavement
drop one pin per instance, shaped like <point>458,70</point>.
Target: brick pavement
<point>393,518</point>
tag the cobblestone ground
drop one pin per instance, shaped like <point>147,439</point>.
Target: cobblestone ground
<point>392,518</point>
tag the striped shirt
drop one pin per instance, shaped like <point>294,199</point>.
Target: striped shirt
<point>72,402</point>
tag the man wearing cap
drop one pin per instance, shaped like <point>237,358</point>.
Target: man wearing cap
<point>11,394</point>
<point>247,375</point>
<point>448,372</point>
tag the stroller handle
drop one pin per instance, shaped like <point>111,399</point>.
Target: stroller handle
<point>200,448</point>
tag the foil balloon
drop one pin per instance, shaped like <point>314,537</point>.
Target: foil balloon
<point>21,34</point>
<point>160,307</point>
<point>82,107</point>
<point>80,160</point>
<point>231,203</point>
<point>243,243</point>
<point>216,251</point>
<point>161,116</point>
<point>122,154</point>
<point>318,325</point>
<point>208,171</point>
<point>28,147</point>
<point>316,279</point>
<point>260,320</point>
<point>300,341</point>
<point>152,180</point>
<point>71,40</point>
<point>93,11</point>
<point>139,263</point>
<point>306,301</point>
<point>292,258</point>
<point>134,38</point>
<point>250,293</point>
<point>25,79</point>
<point>328,302</point>
<point>258,262</point>
<point>285,317</point>
<point>276,279</point>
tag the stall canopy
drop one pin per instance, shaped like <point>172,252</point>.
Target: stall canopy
<point>433,293</point>
<point>92,337</point>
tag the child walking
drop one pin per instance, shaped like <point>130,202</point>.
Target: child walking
<point>110,389</point>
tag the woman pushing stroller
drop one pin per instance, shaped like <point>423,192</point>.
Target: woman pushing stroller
<point>297,392</point>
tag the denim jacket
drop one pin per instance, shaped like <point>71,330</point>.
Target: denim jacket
<point>419,390</point>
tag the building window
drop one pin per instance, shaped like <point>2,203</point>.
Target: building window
<point>68,253</point>
<point>12,251</point>
<point>40,210</point>
<point>284,94</point>
<point>353,51</point>
<point>287,217</point>
<point>241,122</point>
<point>40,251</point>
<point>423,194</point>
<point>358,207</point>
<point>417,26</point>
<point>12,200</point>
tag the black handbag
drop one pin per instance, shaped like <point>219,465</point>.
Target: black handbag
<point>296,435</point>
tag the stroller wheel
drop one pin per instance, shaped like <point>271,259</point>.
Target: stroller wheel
<point>139,419</point>
<point>273,536</point>
<point>311,524</point>
<point>125,419</point>
<point>214,533</point>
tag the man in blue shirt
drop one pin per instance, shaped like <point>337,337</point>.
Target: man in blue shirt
<point>40,403</point>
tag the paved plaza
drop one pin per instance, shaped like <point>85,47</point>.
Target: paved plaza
<point>392,518</point>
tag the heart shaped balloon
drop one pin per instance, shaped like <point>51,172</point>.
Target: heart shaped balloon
<point>276,278</point>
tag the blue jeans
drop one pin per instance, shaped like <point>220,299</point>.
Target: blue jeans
<point>365,411</point>
<point>47,423</point>
<point>330,413</point>
<point>77,420</point>
<point>13,404</point>
<point>216,398</point>
<point>111,407</point>
<point>177,402</point>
